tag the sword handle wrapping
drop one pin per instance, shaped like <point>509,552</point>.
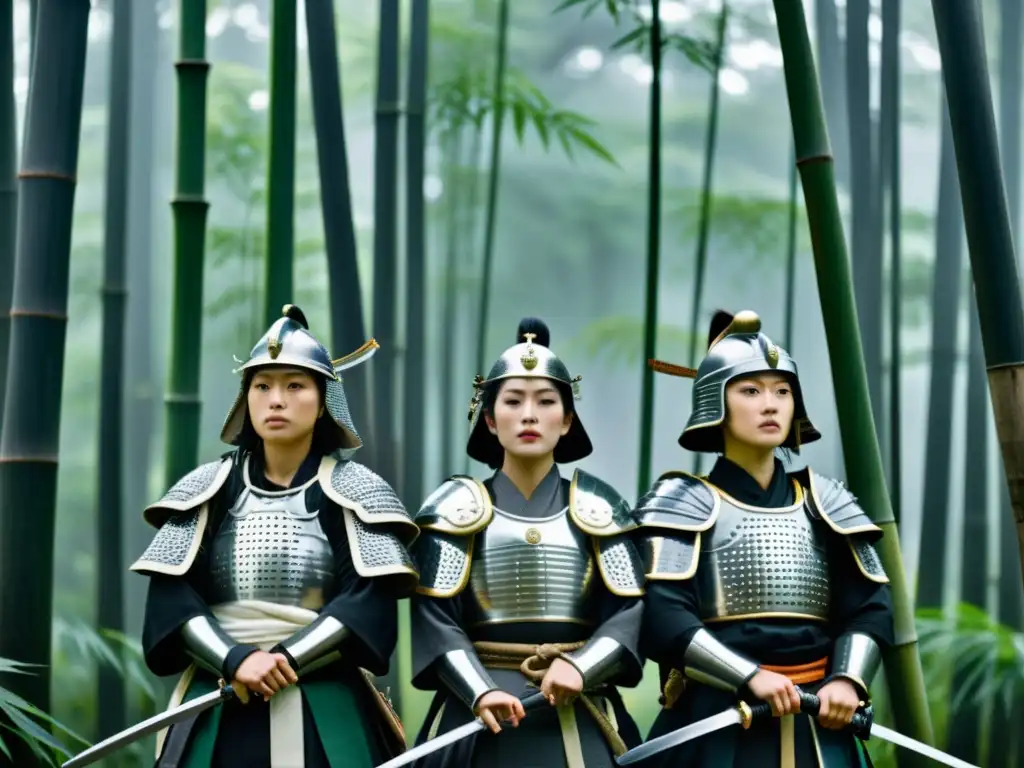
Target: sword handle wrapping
<point>810,705</point>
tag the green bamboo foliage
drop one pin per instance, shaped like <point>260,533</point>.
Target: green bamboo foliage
<point>345,294</point>
<point>860,445</point>
<point>987,221</point>
<point>653,255</point>
<point>111,707</point>
<point>415,374</point>
<point>28,449</point>
<point>8,189</point>
<point>498,123</point>
<point>189,208</point>
<point>281,165</point>
<point>704,226</point>
<point>385,232</point>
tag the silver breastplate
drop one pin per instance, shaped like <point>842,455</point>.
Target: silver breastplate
<point>763,563</point>
<point>270,547</point>
<point>529,569</point>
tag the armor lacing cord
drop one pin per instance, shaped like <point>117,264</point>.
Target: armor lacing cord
<point>533,661</point>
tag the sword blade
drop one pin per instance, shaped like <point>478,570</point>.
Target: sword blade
<point>146,727</point>
<point>682,735</point>
<point>914,745</point>
<point>434,744</point>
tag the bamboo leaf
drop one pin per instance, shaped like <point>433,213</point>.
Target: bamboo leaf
<point>519,110</point>
<point>32,730</point>
<point>542,129</point>
<point>635,37</point>
<point>588,141</point>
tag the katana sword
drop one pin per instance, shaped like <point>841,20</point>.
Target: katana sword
<point>456,734</point>
<point>862,726</point>
<point>152,725</point>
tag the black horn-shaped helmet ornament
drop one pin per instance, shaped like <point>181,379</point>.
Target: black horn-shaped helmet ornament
<point>529,358</point>
<point>288,343</point>
<point>736,347</point>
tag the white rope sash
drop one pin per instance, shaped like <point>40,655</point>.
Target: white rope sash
<point>263,624</point>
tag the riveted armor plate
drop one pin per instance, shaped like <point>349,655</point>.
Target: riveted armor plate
<point>763,562</point>
<point>513,580</point>
<point>174,546</point>
<point>621,567</point>
<point>443,561</point>
<point>377,551</point>
<point>271,547</point>
<point>672,556</point>
<point>678,502</point>
<point>199,485</point>
<point>354,486</point>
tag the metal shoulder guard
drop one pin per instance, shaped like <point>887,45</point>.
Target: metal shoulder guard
<point>180,519</point>
<point>449,517</point>
<point>599,510</point>
<point>672,516</point>
<point>379,529</point>
<point>831,501</point>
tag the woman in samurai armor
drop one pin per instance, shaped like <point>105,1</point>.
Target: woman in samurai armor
<point>527,580</point>
<point>278,569</point>
<point>762,583</point>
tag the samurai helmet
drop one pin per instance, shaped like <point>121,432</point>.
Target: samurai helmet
<point>289,344</point>
<point>529,358</point>
<point>736,347</point>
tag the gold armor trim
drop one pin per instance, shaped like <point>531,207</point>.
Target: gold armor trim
<point>716,493</point>
<point>656,543</point>
<point>883,579</point>
<point>798,496</point>
<point>593,510</point>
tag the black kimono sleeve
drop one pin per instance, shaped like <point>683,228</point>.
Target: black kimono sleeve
<point>858,604</point>
<point>436,630</point>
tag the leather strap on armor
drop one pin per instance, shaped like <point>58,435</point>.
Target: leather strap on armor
<point>533,662</point>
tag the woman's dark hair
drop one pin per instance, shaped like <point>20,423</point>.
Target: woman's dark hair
<point>324,440</point>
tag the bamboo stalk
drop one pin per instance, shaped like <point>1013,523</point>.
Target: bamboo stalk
<point>497,125</point>
<point>415,374</point>
<point>345,295</point>
<point>190,209</point>
<point>860,444</point>
<point>29,447</point>
<point>989,237</point>
<point>653,255</point>
<point>385,181</point>
<point>452,149</point>
<point>790,295</point>
<point>8,187</point>
<point>945,310</point>
<point>279,264</point>
<point>112,714</point>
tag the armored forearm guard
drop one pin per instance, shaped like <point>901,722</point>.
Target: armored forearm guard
<point>711,662</point>
<point>856,658</point>
<point>313,642</point>
<point>598,661</point>
<point>207,643</point>
<point>465,676</point>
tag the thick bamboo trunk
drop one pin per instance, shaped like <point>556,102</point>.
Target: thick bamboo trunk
<point>491,215</point>
<point>281,166</point>
<point>865,255</point>
<point>8,189</point>
<point>345,294</point>
<point>832,65</point>
<point>190,209</point>
<point>860,444</point>
<point>29,447</point>
<point>965,740</point>
<point>989,236</point>
<point>451,149</point>
<point>889,178</point>
<point>790,295</point>
<point>704,225</point>
<point>111,455</point>
<point>415,374</point>
<point>385,232</point>
<point>653,255</point>
<point>945,312</point>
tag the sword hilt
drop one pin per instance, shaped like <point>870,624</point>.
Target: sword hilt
<point>810,705</point>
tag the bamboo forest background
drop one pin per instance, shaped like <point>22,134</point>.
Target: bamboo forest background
<point>534,123</point>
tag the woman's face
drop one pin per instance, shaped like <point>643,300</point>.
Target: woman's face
<point>529,417</point>
<point>284,404</point>
<point>759,410</point>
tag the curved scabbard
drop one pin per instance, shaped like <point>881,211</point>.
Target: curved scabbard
<point>152,725</point>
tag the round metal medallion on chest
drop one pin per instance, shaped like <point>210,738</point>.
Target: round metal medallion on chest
<point>532,536</point>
